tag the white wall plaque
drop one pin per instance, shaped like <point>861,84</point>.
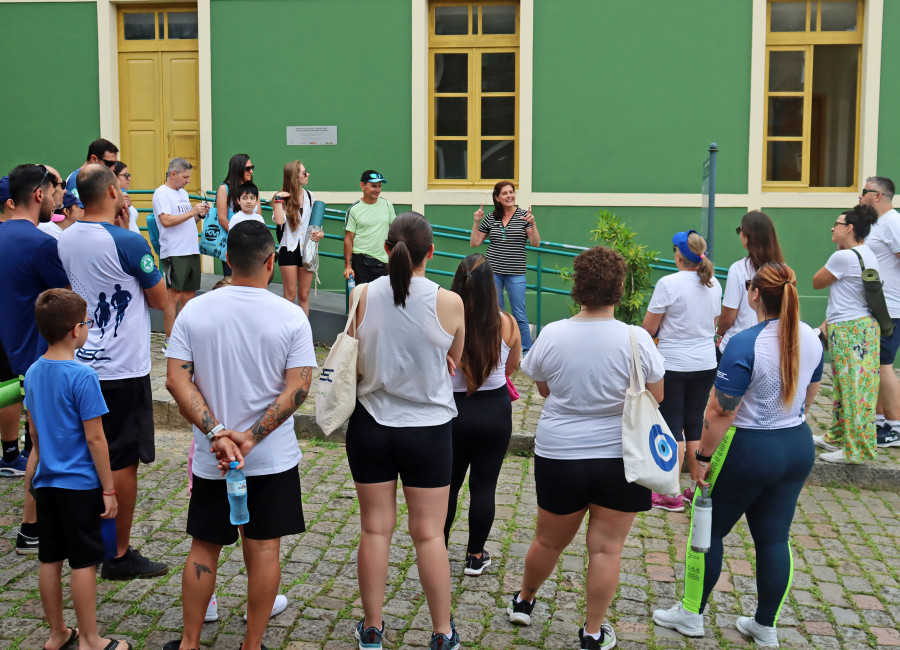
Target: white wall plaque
<point>312,135</point>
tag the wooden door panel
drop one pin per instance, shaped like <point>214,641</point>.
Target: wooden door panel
<point>181,110</point>
<point>141,124</point>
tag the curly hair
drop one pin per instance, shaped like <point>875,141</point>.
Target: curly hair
<point>599,277</point>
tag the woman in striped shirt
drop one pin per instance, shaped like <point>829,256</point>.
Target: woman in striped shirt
<point>509,229</point>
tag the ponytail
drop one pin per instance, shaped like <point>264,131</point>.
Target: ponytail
<point>400,270</point>
<point>777,285</point>
<point>408,240</point>
<point>704,267</point>
<point>706,272</point>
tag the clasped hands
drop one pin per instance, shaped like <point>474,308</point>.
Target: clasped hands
<point>230,446</point>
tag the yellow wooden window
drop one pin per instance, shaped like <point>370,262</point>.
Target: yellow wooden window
<point>813,72</point>
<point>473,103</point>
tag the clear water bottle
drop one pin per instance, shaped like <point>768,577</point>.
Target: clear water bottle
<point>701,521</point>
<point>236,484</point>
<point>351,284</point>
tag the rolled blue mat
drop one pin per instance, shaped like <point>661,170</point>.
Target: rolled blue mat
<point>11,392</point>
<point>318,214</point>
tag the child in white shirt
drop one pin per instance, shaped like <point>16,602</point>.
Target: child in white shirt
<point>248,198</point>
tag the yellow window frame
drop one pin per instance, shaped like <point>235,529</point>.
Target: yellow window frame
<point>474,46</point>
<point>806,41</point>
<point>163,44</point>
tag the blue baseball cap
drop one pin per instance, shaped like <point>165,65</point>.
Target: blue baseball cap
<point>681,241</point>
<point>4,190</point>
<point>70,199</point>
<point>371,176</point>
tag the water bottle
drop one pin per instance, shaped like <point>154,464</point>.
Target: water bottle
<point>701,521</point>
<point>236,484</point>
<point>351,284</point>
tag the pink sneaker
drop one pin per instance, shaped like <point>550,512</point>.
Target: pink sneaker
<point>688,497</point>
<point>672,504</point>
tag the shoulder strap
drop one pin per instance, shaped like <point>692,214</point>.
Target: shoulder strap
<point>637,372</point>
<point>861,265</point>
<point>351,317</point>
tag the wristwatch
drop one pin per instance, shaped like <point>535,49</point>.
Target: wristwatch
<point>701,458</point>
<point>211,435</point>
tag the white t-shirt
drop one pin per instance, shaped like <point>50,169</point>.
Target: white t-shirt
<point>243,216</point>
<point>183,238</point>
<point>290,239</point>
<point>736,298</point>
<point>240,368</point>
<point>51,229</point>
<point>687,329</point>
<point>110,267</point>
<point>846,296</point>
<point>133,220</point>
<point>884,241</point>
<point>587,366</point>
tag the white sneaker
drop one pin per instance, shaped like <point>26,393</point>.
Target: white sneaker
<point>765,637</point>
<point>679,619</point>
<point>212,610</point>
<point>836,457</point>
<point>820,441</point>
<point>279,606</point>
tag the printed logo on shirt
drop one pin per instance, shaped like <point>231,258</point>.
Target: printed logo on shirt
<point>147,265</point>
<point>721,375</point>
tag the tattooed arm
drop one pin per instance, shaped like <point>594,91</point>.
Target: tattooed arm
<point>720,414</point>
<point>191,403</point>
<point>297,381</point>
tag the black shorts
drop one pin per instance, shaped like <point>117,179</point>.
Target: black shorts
<point>273,500</point>
<point>6,371</point>
<point>290,258</point>
<point>889,345</point>
<point>567,486</point>
<point>420,456</point>
<point>129,424</point>
<point>69,526</point>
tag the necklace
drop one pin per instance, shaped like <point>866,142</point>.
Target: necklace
<point>503,228</point>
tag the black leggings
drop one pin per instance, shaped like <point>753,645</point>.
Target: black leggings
<point>758,473</point>
<point>684,404</point>
<point>481,434</point>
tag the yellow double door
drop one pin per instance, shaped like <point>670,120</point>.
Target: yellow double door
<point>159,116</point>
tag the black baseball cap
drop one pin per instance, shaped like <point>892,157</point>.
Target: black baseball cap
<point>371,176</point>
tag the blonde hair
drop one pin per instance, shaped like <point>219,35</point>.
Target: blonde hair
<point>704,267</point>
<point>291,183</point>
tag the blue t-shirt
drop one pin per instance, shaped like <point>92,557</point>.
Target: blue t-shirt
<point>751,368</point>
<point>61,395</point>
<point>110,267</point>
<point>29,264</point>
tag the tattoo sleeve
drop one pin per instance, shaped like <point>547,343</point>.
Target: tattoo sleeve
<point>189,366</point>
<point>283,407</point>
<point>728,403</point>
<point>199,409</point>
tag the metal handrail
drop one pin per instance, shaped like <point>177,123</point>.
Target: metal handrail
<point>462,234</point>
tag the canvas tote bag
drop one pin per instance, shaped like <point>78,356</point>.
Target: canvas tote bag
<point>336,388</point>
<point>649,451</point>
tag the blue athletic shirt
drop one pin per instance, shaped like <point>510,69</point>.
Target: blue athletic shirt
<point>751,368</point>
<point>61,395</point>
<point>110,267</point>
<point>29,265</point>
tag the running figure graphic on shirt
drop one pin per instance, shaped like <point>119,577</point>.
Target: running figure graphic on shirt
<point>120,300</point>
<point>101,313</point>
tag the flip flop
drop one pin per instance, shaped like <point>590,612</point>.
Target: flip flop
<point>73,637</point>
<point>114,643</point>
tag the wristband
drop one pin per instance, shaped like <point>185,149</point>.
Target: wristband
<point>109,494</point>
<point>701,458</point>
<point>211,434</point>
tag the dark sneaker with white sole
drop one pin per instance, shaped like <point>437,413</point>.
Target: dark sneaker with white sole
<point>520,612</point>
<point>444,642</point>
<point>887,437</point>
<point>370,638</point>
<point>476,565</point>
<point>15,467</point>
<point>26,545</point>
<point>132,565</point>
<point>606,641</point>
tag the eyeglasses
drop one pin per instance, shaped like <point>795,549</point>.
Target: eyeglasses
<point>249,168</point>
<point>109,163</point>
<point>43,180</point>
<point>126,176</point>
<point>738,230</point>
<point>89,322</point>
<point>841,223</point>
<point>866,190</point>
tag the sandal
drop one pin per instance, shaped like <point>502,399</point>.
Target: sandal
<point>73,637</point>
<point>114,644</point>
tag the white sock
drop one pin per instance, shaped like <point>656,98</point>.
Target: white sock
<point>893,424</point>
<point>597,636</point>
<point>879,420</point>
<point>519,598</point>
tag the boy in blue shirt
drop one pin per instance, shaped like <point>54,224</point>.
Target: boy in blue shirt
<point>73,482</point>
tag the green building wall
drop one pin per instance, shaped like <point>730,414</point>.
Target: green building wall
<point>51,105</point>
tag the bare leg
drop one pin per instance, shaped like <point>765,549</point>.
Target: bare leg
<point>289,282</point>
<point>29,507</point>
<point>427,515</point>
<point>692,447</point>
<point>169,312</point>
<point>552,535</point>
<point>50,584</point>
<point>84,597</point>
<point>889,393</point>
<point>198,581</point>
<point>304,285</point>
<point>125,482</point>
<point>378,517</point>
<point>263,578</point>
<point>10,421</point>
<point>606,533</point>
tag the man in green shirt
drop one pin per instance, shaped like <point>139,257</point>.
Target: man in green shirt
<point>366,229</point>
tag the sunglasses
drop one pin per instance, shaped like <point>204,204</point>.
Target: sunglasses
<point>841,223</point>
<point>305,172</point>
<point>126,176</point>
<point>738,230</point>
<point>747,284</point>
<point>868,191</point>
<point>249,168</point>
<point>109,163</point>
<point>43,179</point>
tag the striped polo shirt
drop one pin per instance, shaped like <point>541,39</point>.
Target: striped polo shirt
<point>506,251</point>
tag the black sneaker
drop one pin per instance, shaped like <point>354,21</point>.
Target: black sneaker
<point>26,545</point>
<point>132,565</point>
<point>606,641</point>
<point>444,642</point>
<point>520,613</point>
<point>887,437</point>
<point>475,565</point>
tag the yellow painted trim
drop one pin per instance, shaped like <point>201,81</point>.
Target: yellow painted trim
<point>870,91</point>
<point>420,104</point>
